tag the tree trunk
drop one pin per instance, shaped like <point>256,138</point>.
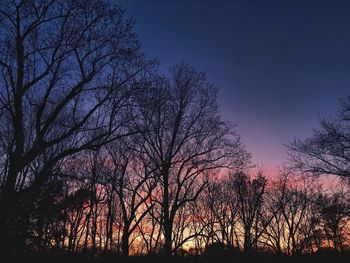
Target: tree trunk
<point>168,238</point>
<point>167,224</point>
<point>125,242</point>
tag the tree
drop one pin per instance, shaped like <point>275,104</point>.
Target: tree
<point>67,70</point>
<point>185,138</point>
<point>250,200</point>
<point>219,212</point>
<point>133,183</point>
<point>328,150</point>
<point>334,215</point>
<point>298,212</point>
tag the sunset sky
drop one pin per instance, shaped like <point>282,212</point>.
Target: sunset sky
<point>279,64</point>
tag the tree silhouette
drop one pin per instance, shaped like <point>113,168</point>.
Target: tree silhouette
<point>327,151</point>
<point>101,155</point>
<point>67,70</point>
<point>185,137</point>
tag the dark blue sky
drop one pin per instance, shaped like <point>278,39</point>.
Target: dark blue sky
<point>278,63</point>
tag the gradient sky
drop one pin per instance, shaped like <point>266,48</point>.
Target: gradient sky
<point>279,64</point>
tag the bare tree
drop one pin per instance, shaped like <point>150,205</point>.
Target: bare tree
<point>185,138</point>
<point>220,218</point>
<point>66,72</point>
<point>133,182</point>
<point>298,212</point>
<point>150,227</point>
<point>250,200</point>
<point>327,151</point>
<point>334,214</point>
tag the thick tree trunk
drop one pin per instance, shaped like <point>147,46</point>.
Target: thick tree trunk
<point>247,242</point>
<point>168,238</point>
<point>125,243</point>
<point>9,237</point>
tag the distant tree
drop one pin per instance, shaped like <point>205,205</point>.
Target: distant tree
<point>150,228</point>
<point>276,231</point>
<point>299,214</point>
<point>67,69</point>
<point>133,183</point>
<point>334,214</point>
<point>250,195</point>
<point>220,212</point>
<point>218,249</point>
<point>328,150</point>
<point>91,172</point>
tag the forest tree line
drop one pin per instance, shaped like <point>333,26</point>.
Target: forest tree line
<point>102,153</point>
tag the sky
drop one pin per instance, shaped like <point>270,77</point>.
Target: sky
<point>278,64</point>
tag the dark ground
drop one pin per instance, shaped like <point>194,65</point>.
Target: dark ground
<point>323,257</point>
